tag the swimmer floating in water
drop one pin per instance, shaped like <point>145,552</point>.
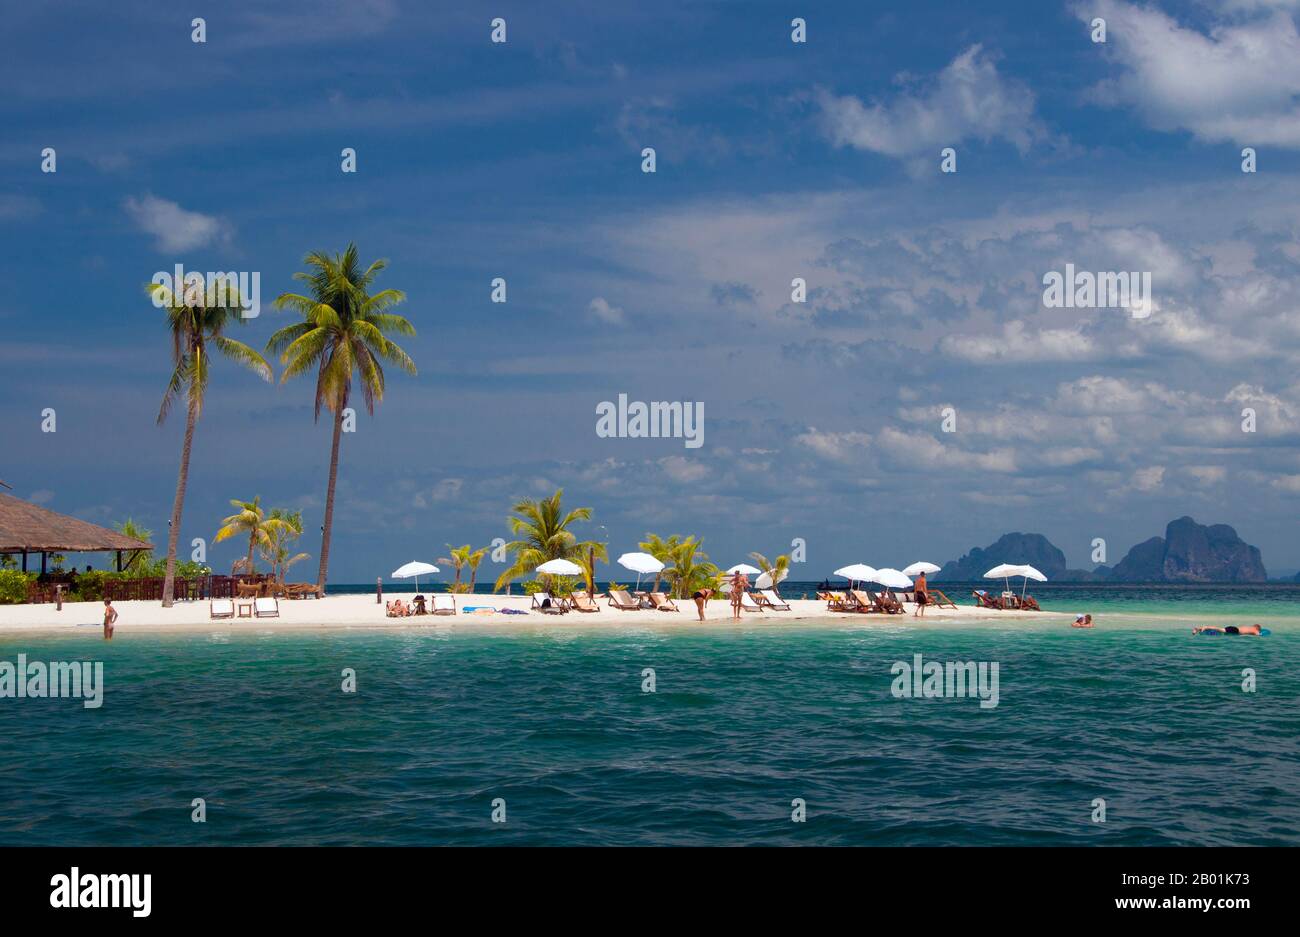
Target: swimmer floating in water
<point>1229,629</point>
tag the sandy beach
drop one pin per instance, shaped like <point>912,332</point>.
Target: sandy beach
<point>361,611</point>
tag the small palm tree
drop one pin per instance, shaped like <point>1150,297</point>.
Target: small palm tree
<point>457,559</point>
<point>280,538</point>
<point>473,559</point>
<point>129,528</point>
<point>194,325</point>
<point>691,569</point>
<point>542,527</point>
<point>660,549</point>
<point>252,520</point>
<point>776,568</point>
<point>343,336</point>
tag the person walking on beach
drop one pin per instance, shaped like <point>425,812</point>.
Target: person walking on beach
<point>739,583</point>
<point>110,616</point>
<point>701,597</point>
<point>922,596</point>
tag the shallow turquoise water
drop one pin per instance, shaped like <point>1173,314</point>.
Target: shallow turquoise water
<point>744,720</point>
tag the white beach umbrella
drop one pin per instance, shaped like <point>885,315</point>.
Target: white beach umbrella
<point>560,568</point>
<point>922,567</point>
<point>765,581</point>
<point>640,563</point>
<point>857,572</point>
<point>743,568</point>
<point>1007,570</point>
<point>891,579</point>
<point>414,570</point>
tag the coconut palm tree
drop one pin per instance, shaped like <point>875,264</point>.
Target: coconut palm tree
<point>343,337</point>
<point>129,528</point>
<point>660,549</point>
<point>457,559</point>
<point>542,527</point>
<point>473,559</point>
<point>252,520</point>
<point>280,537</point>
<point>691,568</point>
<point>195,326</point>
<point>776,568</point>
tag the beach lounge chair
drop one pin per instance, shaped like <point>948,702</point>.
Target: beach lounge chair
<point>266,608</point>
<point>583,602</point>
<point>984,600</point>
<point>302,590</point>
<point>747,602</point>
<point>769,599</point>
<point>544,602</point>
<point>860,601</point>
<point>661,602</point>
<point>886,603</point>
<point>444,603</point>
<point>838,602</point>
<point>618,598</point>
<point>221,608</point>
<point>939,600</point>
<point>1028,603</point>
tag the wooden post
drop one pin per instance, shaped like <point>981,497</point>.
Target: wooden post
<point>379,590</point>
<point>24,559</point>
<point>44,557</point>
<point>58,597</point>
<point>119,561</point>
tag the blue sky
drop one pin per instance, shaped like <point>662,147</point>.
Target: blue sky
<point>775,160</point>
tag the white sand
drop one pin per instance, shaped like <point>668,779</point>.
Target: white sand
<point>361,611</point>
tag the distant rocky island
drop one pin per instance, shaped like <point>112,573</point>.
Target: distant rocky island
<point>1188,552</point>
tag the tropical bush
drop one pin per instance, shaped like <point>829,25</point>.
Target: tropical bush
<point>13,586</point>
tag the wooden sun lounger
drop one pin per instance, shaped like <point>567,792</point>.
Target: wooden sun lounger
<point>618,598</point>
<point>748,604</point>
<point>583,602</point>
<point>837,601</point>
<point>985,600</point>
<point>444,603</point>
<point>547,604</point>
<point>886,603</point>
<point>769,599</point>
<point>862,602</point>
<point>221,608</point>
<point>266,608</point>
<point>939,599</point>
<point>661,602</point>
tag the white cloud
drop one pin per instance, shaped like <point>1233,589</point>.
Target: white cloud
<point>967,99</point>
<point>173,228</point>
<point>837,446</point>
<point>1239,83</point>
<point>601,310</point>
<point>681,469</point>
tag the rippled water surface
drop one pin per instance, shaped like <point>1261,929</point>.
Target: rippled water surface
<point>742,722</point>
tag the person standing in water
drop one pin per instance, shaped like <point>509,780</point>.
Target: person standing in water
<point>110,617</point>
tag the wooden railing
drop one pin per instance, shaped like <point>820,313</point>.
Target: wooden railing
<point>151,589</point>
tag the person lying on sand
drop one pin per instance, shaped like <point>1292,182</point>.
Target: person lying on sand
<point>1083,621</point>
<point>397,609</point>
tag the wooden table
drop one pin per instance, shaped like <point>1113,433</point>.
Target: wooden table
<point>244,609</point>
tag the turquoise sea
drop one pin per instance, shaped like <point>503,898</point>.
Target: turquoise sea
<point>551,717</point>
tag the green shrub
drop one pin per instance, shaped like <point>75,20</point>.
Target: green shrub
<point>13,586</point>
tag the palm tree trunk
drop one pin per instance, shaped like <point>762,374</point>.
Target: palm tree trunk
<point>174,531</point>
<point>329,499</point>
<point>250,551</point>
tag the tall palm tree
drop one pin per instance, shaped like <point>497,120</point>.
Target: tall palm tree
<point>194,325</point>
<point>691,569</point>
<point>343,336</point>
<point>542,527</point>
<point>775,568</point>
<point>252,520</point>
<point>660,549</point>
<point>280,536</point>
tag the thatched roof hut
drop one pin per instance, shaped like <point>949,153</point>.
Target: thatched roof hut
<point>28,528</point>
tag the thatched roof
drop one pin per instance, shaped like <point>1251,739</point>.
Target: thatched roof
<point>26,527</point>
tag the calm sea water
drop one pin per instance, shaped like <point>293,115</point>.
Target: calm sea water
<point>551,717</point>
